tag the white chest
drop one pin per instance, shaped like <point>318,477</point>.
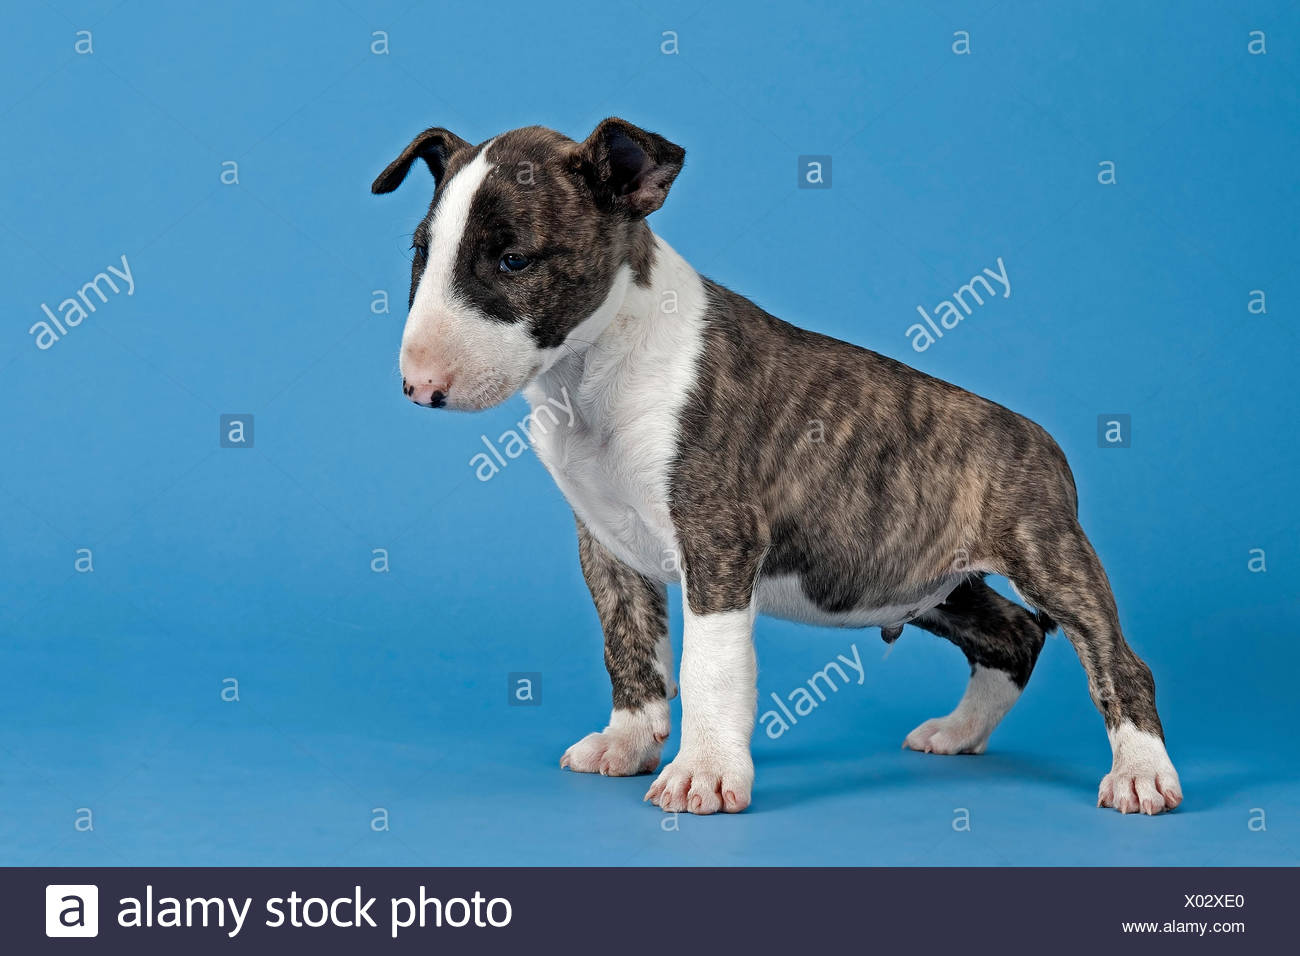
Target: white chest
<point>613,457</point>
<point>625,510</point>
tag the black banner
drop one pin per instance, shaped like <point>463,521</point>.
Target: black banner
<point>208,910</point>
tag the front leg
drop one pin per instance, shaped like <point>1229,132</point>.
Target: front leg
<point>633,614</point>
<point>713,769</point>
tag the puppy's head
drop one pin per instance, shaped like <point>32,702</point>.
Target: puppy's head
<point>528,236</point>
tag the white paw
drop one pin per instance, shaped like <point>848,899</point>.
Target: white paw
<point>699,784</point>
<point>989,695</point>
<point>630,745</point>
<point>948,735</point>
<point>1142,779</point>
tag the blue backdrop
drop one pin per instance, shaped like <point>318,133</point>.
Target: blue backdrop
<point>1133,165</point>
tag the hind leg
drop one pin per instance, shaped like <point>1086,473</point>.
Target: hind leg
<point>1001,640</point>
<point>1058,572</point>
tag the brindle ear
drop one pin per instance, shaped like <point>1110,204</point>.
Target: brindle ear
<point>628,169</point>
<point>434,146</point>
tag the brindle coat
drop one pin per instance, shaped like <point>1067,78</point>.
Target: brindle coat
<point>938,480</point>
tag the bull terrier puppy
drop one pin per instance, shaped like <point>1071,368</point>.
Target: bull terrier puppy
<point>765,468</point>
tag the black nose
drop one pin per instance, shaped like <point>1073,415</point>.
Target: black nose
<point>426,395</point>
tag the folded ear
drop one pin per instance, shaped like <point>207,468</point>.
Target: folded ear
<point>627,168</point>
<point>434,146</point>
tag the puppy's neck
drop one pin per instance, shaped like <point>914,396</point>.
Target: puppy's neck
<point>627,329</point>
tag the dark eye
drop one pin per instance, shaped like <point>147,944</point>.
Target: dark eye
<point>421,250</point>
<point>512,262</point>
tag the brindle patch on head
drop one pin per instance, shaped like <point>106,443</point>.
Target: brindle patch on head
<point>535,202</point>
